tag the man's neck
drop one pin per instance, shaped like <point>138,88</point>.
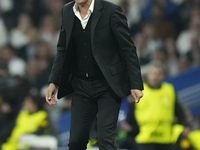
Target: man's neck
<point>83,8</point>
<point>155,86</point>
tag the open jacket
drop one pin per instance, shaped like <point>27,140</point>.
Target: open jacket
<point>112,48</point>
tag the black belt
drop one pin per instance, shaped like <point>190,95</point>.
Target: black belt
<point>91,78</point>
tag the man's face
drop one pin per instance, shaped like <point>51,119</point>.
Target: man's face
<point>29,105</point>
<point>155,76</point>
<point>81,2</point>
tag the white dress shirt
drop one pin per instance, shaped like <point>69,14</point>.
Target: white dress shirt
<point>84,21</point>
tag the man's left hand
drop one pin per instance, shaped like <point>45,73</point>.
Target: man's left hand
<point>137,95</point>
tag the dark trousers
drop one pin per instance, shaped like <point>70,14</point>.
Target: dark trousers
<point>152,146</point>
<point>91,99</point>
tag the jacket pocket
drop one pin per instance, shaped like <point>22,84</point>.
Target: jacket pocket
<point>118,68</point>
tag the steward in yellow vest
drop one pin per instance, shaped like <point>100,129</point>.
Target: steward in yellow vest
<point>32,119</point>
<point>156,112</point>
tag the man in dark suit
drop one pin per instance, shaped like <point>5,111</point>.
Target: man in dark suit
<point>96,61</point>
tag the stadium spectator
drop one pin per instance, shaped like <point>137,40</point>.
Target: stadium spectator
<point>170,9</point>
<point>173,56</point>
<point>194,53</point>
<point>33,72</point>
<point>45,60</point>
<point>3,31</point>
<point>163,26</point>
<point>19,35</point>
<point>144,54</point>
<point>29,51</point>
<point>184,40</point>
<point>35,8</point>
<point>183,65</point>
<point>132,10</point>
<point>32,119</point>
<point>16,66</point>
<point>156,113</point>
<point>49,32</point>
<point>153,41</point>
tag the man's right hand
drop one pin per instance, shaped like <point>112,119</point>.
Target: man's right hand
<point>50,94</point>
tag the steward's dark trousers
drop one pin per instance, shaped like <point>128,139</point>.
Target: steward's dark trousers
<point>91,99</point>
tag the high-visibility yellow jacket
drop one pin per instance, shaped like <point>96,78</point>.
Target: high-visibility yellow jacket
<point>177,129</point>
<point>155,114</point>
<point>25,123</point>
<point>194,138</point>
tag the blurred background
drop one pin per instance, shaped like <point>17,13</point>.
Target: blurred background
<point>167,31</point>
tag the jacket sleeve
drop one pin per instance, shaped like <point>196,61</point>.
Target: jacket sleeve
<point>127,48</point>
<point>60,56</point>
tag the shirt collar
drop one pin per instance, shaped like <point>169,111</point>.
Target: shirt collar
<point>91,8</point>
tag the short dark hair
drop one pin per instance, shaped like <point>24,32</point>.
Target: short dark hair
<point>159,65</point>
<point>37,100</point>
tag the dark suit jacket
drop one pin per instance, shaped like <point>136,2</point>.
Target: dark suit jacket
<point>112,48</point>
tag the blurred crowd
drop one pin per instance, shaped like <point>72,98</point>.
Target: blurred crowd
<point>162,30</point>
<point>165,30</point>
<point>28,36</point>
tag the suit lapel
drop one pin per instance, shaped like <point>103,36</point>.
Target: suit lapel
<point>69,21</point>
<point>95,18</point>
